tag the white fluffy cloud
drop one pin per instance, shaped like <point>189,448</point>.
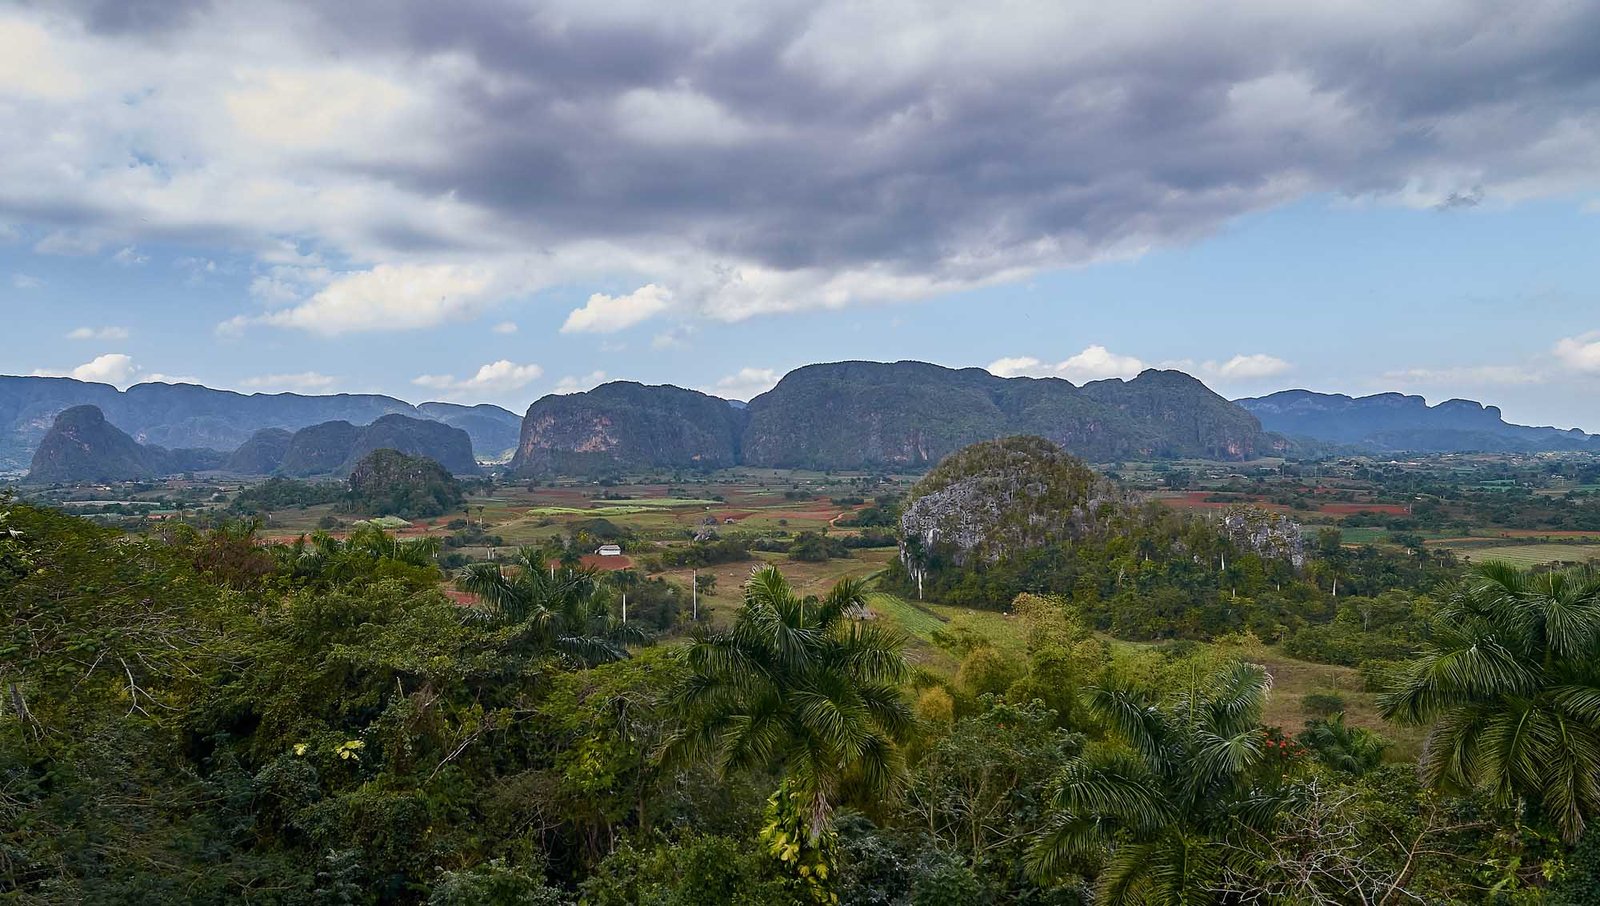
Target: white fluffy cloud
<point>746,383</point>
<point>109,332</point>
<point>25,281</point>
<point>1580,353</point>
<point>496,377</point>
<point>580,383</point>
<point>1249,367</point>
<point>301,382</point>
<point>115,368</point>
<point>505,327</point>
<point>387,297</point>
<point>609,314</point>
<point>1094,363</point>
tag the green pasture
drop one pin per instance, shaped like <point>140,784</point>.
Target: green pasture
<point>1526,555</point>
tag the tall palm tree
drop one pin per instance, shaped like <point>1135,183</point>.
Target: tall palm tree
<point>1510,682</point>
<point>797,685</point>
<point>566,610</point>
<point>1174,777</point>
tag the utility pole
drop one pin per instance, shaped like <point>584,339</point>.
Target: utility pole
<point>624,608</point>
<point>694,595</point>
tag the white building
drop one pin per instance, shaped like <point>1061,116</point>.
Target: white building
<point>610,550</point>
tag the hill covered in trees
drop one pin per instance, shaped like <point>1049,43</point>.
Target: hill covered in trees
<point>390,483</point>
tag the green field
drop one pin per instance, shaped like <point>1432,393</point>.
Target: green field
<point>1526,555</point>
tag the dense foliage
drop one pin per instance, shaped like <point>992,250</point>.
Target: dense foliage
<point>389,483</point>
<point>279,493</point>
<point>204,718</point>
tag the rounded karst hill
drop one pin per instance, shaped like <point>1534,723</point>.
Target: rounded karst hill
<point>1002,497</point>
<point>390,483</point>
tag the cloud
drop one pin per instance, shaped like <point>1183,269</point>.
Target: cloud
<point>115,368</point>
<point>609,314</point>
<point>1248,367</point>
<point>673,338</point>
<point>128,256</point>
<point>505,327</point>
<point>1092,364</point>
<point>301,382</point>
<point>759,159</point>
<point>496,377</point>
<point>1096,363</point>
<point>1580,353</point>
<point>746,383</point>
<point>387,297</point>
<point>1464,376</point>
<point>578,384</point>
<point>98,333</point>
<point>24,281</point>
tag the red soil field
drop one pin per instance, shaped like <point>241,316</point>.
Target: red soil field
<point>607,563</point>
<point>1346,509</point>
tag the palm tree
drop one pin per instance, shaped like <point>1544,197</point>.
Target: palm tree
<point>797,685</point>
<point>1174,777</point>
<point>567,611</point>
<point>323,556</point>
<point>1510,682</point>
<point>1353,750</point>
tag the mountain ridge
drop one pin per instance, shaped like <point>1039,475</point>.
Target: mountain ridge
<point>181,415</point>
<point>851,414</point>
<point>1405,422</point>
<point>83,446</point>
<point>895,415</point>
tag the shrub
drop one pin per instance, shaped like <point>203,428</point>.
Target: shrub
<point>1322,704</point>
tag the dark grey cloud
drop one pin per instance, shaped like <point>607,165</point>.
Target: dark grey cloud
<point>946,142</point>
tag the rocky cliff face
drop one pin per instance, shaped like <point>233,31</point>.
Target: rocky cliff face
<point>1180,417</point>
<point>911,414</point>
<point>1393,421</point>
<point>624,425</point>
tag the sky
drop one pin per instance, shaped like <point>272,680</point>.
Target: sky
<point>490,200</point>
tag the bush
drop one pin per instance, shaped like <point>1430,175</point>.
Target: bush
<point>494,884</point>
<point>987,671</point>
<point>935,705</point>
<point>1322,704</point>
